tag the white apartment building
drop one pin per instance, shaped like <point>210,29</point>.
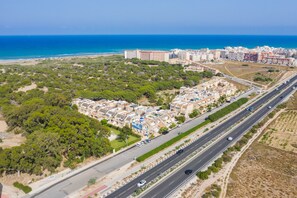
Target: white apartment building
<point>129,54</point>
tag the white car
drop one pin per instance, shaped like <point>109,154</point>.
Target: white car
<point>141,183</point>
<point>230,138</point>
<point>269,107</point>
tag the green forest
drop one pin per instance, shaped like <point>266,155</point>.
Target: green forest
<point>56,134</point>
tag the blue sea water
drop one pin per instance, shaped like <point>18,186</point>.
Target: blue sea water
<point>24,47</point>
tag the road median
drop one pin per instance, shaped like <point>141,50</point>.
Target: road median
<point>221,113</point>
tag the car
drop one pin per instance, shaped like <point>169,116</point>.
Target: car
<point>230,138</point>
<point>141,183</point>
<point>276,89</point>
<point>282,97</point>
<point>138,144</point>
<point>165,132</point>
<point>250,109</point>
<point>180,151</point>
<point>148,140</point>
<point>188,172</point>
<point>269,107</point>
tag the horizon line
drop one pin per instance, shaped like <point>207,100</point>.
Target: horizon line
<point>148,35</point>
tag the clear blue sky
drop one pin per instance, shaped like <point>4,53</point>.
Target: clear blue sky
<point>29,17</point>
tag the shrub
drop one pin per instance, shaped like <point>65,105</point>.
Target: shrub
<point>163,129</point>
<point>91,181</point>
<point>213,169</point>
<point>203,175</point>
<point>180,119</point>
<point>172,126</point>
<point>24,188</point>
<point>194,114</point>
<point>227,158</point>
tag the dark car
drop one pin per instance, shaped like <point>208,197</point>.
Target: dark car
<point>282,97</point>
<point>180,151</point>
<point>250,109</point>
<point>165,132</point>
<point>188,172</point>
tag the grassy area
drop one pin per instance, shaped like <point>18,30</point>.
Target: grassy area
<point>114,131</point>
<point>117,145</point>
<point>24,188</point>
<point>214,116</point>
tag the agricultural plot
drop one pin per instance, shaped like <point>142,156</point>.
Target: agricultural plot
<point>282,133</point>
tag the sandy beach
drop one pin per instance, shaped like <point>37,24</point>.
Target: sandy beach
<point>34,61</point>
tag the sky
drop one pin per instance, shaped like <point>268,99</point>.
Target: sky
<point>65,17</point>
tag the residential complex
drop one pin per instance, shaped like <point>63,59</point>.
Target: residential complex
<point>264,55</point>
<point>148,119</point>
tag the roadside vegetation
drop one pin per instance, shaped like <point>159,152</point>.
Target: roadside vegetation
<point>213,191</point>
<point>226,110</point>
<point>56,134</point>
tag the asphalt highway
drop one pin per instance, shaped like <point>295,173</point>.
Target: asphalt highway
<point>177,178</point>
<point>172,183</point>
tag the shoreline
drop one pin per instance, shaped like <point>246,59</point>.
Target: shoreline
<point>58,57</point>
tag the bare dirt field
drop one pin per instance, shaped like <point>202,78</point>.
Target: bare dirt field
<point>10,140</point>
<point>282,133</point>
<point>263,171</point>
<point>249,71</point>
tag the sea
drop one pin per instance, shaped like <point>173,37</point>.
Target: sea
<point>27,47</point>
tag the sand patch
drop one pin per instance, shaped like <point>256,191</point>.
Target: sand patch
<point>27,88</point>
